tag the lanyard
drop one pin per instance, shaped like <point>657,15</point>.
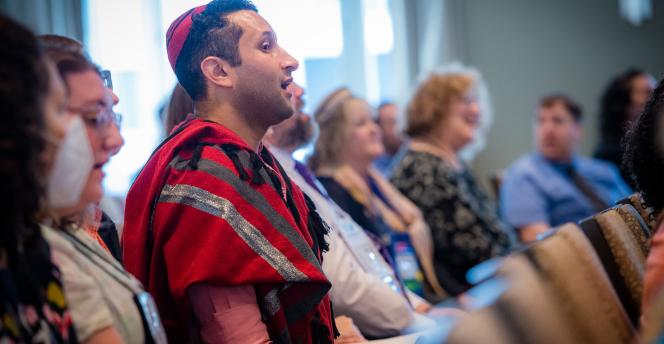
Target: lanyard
<point>81,246</point>
<point>153,329</point>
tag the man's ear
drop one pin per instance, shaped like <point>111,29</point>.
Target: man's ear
<point>217,71</point>
<point>580,132</point>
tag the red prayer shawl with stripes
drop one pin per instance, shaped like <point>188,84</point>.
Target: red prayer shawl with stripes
<point>207,208</point>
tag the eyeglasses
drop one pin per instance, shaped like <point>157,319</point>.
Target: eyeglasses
<point>106,77</point>
<point>100,117</point>
<point>468,100</point>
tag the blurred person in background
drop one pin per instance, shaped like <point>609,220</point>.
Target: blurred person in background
<point>387,118</point>
<point>177,110</point>
<point>102,295</point>
<point>442,119</point>
<point>348,143</point>
<point>555,185</point>
<point>97,223</point>
<point>621,104</point>
<point>33,307</point>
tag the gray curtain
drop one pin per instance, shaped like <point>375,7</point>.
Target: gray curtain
<point>428,33</point>
<point>62,17</point>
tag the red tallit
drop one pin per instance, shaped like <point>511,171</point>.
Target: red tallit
<point>207,209</point>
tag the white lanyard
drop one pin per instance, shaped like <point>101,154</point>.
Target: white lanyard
<point>364,250</point>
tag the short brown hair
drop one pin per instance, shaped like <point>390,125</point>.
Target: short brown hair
<point>68,55</point>
<point>56,44</point>
<point>431,102</point>
<point>179,106</point>
<point>554,98</point>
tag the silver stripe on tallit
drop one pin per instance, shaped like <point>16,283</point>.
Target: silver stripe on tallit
<point>223,208</point>
<point>259,202</point>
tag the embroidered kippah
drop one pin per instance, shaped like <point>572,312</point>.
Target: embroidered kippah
<point>178,32</point>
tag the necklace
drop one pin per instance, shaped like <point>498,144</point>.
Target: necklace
<point>424,145</point>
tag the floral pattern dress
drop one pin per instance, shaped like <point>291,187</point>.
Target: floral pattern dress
<point>464,221</point>
<point>33,308</point>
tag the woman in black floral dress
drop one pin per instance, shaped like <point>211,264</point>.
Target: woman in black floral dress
<point>32,304</point>
<point>442,119</point>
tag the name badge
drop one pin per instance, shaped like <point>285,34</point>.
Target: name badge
<point>365,251</point>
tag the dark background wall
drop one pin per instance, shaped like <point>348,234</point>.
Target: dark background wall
<point>526,48</point>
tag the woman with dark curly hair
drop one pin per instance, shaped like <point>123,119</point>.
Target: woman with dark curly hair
<point>32,98</point>
<point>644,158</point>
<point>621,105</point>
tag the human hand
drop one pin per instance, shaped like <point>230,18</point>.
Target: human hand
<point>349,333</point>
<point>423,308</point>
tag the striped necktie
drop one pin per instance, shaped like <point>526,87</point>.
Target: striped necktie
<point>587,190</point>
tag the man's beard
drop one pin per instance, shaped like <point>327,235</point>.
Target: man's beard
<point>299,134</point>
<point>265,108</point>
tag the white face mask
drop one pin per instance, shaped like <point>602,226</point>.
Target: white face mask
<point>71,167</point>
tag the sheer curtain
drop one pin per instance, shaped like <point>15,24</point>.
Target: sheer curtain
<point>429,37</point>
<point>428,34</point>
<point>62,17</point>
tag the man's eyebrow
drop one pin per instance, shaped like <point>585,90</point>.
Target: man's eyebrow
<point>269,34</point>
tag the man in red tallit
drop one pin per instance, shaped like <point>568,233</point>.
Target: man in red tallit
<point>229,247</point>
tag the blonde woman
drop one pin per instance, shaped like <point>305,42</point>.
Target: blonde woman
<point>348,143</point>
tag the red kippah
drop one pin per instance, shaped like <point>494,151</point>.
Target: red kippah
<point>178,32</point>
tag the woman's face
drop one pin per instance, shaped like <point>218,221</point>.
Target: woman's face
<point>641,88</point>
<point>113,136</point>
<point>363,139</point>
<point>458,128</point>
<point>90,99</point>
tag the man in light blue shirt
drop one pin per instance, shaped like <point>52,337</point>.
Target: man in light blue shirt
<point>555,185</point>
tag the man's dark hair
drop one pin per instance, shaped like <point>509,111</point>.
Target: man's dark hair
<point>573,107</point>
<point>384,103</point>
<point>644,154</point>
<point>212,34</point>
<point>381,105</point>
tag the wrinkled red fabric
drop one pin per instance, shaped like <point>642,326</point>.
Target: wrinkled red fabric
<point>187,246</point>
<point>178,32</point>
